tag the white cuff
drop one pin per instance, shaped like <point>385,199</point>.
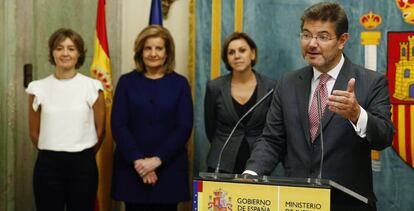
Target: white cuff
<point>361,125</point>
<point>250,172</point>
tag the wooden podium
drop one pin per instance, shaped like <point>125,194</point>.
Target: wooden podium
<point>225,192</point>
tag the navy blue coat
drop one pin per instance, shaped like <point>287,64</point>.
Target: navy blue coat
<point>151,117</point>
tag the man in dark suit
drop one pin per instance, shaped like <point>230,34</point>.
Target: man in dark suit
<point>356,118</point>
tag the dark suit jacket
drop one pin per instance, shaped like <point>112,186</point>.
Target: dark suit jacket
<point>347,157</point>
<point>220,117</point>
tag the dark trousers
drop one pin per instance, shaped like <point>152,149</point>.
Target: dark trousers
<point>65,180</point>
<point>150,207</point>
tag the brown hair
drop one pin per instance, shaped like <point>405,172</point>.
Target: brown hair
<point>327,11</point>
<point>59,36</point>
<point>154,31</point>
<point>236,36</point>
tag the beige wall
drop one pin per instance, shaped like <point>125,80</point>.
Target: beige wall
<point>135,17</point>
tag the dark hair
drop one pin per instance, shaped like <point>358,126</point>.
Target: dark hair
<point>59,36</point>
<point>327,11</point>
<point>154,31</point>
<point>236,36</point>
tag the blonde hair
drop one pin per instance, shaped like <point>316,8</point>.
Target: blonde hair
<point>149,32</point>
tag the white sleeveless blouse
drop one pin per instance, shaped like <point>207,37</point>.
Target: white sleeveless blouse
<point>67,118</point>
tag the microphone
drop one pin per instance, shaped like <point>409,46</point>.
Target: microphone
<point>234,128</point>
<point>318,100</point>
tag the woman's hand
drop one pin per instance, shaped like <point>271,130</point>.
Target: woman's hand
<point>150,178</point>
<point>146,165</point>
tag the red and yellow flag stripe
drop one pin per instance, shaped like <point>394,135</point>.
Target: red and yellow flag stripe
<point>101,70</point>
<point>402,114</point>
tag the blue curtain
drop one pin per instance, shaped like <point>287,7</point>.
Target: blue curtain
<point>275,27</point>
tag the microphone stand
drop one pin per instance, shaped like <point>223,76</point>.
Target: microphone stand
<point>318,99</point>
<point>217,170</point>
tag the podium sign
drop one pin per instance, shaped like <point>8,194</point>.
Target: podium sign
<point>244,196</point>
<point>301,198</point>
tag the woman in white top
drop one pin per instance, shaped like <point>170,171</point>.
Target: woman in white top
<point>66,120</point>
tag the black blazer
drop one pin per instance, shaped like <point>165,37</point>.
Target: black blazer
<point>347,156</point>
<point>220,117</point>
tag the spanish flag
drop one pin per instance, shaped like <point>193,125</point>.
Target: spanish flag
<point>101,70</point>
<point>400,63</point>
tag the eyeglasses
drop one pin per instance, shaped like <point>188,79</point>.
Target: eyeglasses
<point>322,38</point>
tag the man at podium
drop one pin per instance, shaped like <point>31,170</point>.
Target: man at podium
<point>356,118</point>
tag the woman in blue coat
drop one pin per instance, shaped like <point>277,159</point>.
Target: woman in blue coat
<point>152,120</point>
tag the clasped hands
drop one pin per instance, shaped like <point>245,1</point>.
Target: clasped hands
<point>145,168</point>
<point>344,103</point>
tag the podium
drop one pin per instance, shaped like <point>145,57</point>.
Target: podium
<point>225,192</point>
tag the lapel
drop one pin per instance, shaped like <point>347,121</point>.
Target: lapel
<point>303,85</point>
<point>346,73</point>
<point>228,99</point>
